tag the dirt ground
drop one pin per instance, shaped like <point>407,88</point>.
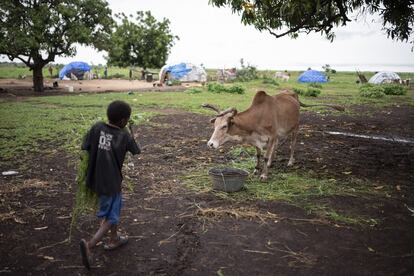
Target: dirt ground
<point>13,87</point>
<point>170,234</point>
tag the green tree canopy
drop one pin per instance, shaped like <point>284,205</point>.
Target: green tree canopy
<point>291,17</point>
<point>144,42</point>
<point>35,32</point>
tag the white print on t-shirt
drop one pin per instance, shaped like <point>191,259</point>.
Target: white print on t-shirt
<point>105,141</point>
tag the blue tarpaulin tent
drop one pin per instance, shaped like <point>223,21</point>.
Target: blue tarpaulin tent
<point>184,72</point>
<point>312,76</point>
<point>178,71</point>
<point>78,68</point>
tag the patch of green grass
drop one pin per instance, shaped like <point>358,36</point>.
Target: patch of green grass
<point>355,219</point>
<point>20,71</point>
<point>329,212</point>
<point>270,81</point>
<point>51,122</point>
<point>194,90</point>
<point>302,190</point>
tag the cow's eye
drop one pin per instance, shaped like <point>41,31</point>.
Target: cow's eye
<point>223,127</point>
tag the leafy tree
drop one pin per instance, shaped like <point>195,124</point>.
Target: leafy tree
<point>291,17</point>
<point>145,42</point>
<point>35,32</point>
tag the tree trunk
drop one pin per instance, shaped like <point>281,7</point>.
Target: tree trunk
<point>38,78</point>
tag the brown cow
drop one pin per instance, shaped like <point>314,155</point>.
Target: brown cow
<point>268,120</point>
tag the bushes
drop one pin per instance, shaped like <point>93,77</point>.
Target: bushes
<point>215,87</point>
<point>312,92</point>
<point>316,85</point>
<point>235,89</point>
<point>309,92</point>
<point>298,91</point>
<point>219,88</point>
<point>371,91</point>
<point>379,91</point>
<point>246,73</point>
<point>267,80</point>
<point>116,76</point>
<point>394,89</point>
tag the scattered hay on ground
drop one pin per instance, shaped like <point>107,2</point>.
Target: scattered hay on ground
<point>28,183</point>
<point>217,213</point>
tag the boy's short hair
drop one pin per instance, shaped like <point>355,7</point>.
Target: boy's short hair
<point>118,110</point>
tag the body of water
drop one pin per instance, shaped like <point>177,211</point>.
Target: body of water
<point>352,67</point>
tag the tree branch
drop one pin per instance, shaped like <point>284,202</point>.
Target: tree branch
<point>310,27</point>
<point>27,62</point>
<point>342,12</point>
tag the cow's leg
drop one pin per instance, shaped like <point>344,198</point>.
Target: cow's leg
<point>270,151</point>
<point>258,168</point>
<point>292,145</point>
<point>267,159</point>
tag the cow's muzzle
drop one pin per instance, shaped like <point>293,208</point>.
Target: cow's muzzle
<point>212,144</point>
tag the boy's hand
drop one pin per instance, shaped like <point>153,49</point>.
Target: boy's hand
<point>130,124</point>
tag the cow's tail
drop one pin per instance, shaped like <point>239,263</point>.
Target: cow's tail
<point>334,106</point>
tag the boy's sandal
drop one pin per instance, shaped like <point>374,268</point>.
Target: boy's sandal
<point>86,258</point>
<point>122,240</point>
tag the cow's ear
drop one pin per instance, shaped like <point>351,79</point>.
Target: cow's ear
<point>212,120</point>
<point>234,112</point>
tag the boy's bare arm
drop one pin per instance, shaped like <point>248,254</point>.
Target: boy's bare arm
<point>130,123</point>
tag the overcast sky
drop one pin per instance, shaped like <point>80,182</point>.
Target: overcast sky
<point>216,37</point>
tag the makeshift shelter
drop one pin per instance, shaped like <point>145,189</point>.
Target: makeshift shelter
<point>76,68</point>
<point>312,76</point>
<point>226,74</point>
<point>184,72</point>
<point>385,77</point>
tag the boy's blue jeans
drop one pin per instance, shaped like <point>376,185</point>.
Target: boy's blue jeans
<point>110,208</point>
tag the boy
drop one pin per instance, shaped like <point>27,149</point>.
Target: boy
<point>107,144</point>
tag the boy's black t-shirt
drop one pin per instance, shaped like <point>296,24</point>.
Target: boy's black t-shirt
<point>107,147</point>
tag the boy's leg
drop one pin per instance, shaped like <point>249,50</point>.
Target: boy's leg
<point>109,208</point>
<point>114,233</point>
<point>86,246</point>
<point>105,203</point>
<point>116,240</point>
<point>103,229</point>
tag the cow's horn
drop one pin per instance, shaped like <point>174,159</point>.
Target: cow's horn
<point>211,107</point>
<point>229,110</point>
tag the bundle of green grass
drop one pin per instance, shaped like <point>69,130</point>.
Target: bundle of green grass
<point>86,200</point>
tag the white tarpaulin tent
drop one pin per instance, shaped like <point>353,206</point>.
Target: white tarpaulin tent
<point>384,77</point>
<point>184,72</point>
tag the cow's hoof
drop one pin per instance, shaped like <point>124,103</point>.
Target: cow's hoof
<point>263,178</point>
<point>291,162</point>
<point>256,171</point>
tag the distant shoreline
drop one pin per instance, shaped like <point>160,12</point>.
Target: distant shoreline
<point>402,68</point>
